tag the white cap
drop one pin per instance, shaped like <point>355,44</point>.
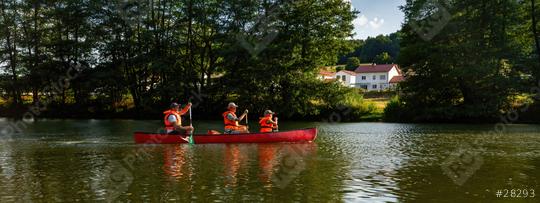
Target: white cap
<point>232,104</point>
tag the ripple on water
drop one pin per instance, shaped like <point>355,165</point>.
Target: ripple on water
<point>359,162</point>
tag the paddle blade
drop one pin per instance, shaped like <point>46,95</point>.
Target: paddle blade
<point>190,140</point>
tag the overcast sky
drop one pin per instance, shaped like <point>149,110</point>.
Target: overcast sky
<point>377,17</point>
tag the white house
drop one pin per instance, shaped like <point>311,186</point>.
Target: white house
<point>371,77</point>
<point>378,77</point>
<point>347,78</point>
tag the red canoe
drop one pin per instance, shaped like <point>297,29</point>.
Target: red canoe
<point>305,135</point>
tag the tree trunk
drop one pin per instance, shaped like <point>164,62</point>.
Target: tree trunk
<point>12,49</point>
<point>534,28</point>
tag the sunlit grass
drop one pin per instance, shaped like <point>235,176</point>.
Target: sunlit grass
<point>379,103</point>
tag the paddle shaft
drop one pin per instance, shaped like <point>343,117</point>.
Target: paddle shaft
<point>190,119</point>
<point>190,139</point>
<point>277,126</point>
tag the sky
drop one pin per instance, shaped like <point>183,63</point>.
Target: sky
<point>377,17</point>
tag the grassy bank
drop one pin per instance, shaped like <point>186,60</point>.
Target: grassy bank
<point>379,105</point>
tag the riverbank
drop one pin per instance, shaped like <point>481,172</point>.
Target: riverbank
<point>371,109</point>
<point>359,110</point>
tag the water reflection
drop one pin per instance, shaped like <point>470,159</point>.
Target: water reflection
<point>267,161</point>
<point>176,160</point>
<point>360,162</point>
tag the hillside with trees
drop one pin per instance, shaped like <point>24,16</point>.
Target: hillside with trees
<point>383,49</point>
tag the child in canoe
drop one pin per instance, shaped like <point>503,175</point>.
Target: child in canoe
<point>267,124</point>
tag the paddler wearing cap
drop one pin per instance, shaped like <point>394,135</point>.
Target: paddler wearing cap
<point>266,122</point>
<point>173,119</point>
<point>231,120</point>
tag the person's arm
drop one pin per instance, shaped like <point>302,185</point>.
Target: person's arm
<point>185,109</point>
<point>272,122</point>
<point>243,115</point>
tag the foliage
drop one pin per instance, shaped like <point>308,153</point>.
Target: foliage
<point>352,63</point>
<point>470,69</point>
<point>395,110</point>
<point>261,54</point>
<point>368,50</point>
<point>340,68</point>
<point>383,58</point>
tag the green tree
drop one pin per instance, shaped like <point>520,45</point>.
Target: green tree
<point>367,50</point>
<point>154,52</point>
<point>467,70</point>
<point>352,63</point>
<point>383,58</point>
<point>9,52</point>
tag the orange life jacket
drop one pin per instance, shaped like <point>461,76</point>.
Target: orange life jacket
<point>228,123</point>
<point>265,126</point>
<point>169,125</point>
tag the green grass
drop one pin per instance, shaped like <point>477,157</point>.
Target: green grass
<point>379,103</point>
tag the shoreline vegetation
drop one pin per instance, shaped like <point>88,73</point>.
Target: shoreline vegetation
<point>363,107</point>
<point>105,59</point>
<point>353,108</point>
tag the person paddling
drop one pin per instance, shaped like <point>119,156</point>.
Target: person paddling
<point>266,122</point>
<point>231,120</point>
<point>173,120</point>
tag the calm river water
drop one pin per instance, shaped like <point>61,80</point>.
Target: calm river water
<point>95,160</point>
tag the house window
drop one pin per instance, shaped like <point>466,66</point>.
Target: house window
<point>383,77</point>
<point>374,87</point>
<point>344,78</point>
<point>374,77</point>
<point>363,77</point>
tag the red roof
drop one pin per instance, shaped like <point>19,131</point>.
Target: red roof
<point>348,72</point>
<point>326,73</point>
<point>397,79</point>
<point>375,68</point>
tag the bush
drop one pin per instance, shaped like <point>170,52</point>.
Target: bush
<point>395,111</point>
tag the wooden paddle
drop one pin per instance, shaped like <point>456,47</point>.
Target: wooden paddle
<point>190,139</point>
<point>277,126</point>
<point>247,123</point>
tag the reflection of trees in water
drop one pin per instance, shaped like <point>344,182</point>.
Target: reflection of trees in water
<point>167,172</point>
<point>506,164</point>
<point>43,172</point>
<point>246,172</point>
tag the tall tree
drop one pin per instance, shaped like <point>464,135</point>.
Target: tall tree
<point>352,63</point>
<point>466,70</point>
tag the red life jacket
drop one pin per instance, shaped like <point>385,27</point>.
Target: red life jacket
<point>228,123</point>
<point>169,125</point>
<point>265,126</point>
